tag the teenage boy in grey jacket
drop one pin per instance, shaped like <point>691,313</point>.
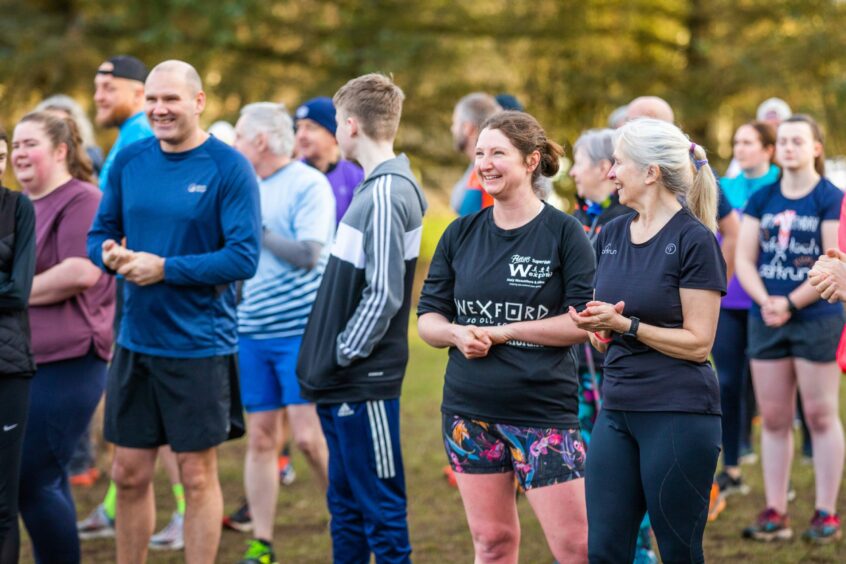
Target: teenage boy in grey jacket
<point>355,348</point>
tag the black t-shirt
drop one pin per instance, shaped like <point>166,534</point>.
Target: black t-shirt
<point>483,275</point>
<point>647,277</point>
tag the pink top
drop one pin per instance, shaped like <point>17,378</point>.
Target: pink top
<point>70,328</point>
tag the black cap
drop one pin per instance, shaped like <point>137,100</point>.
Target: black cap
<point>126,66</point>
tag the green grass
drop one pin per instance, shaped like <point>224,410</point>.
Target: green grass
<point>438,529</point>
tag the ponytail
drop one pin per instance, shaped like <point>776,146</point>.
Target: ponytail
<point>702,194</point>
<point>63,130</point>
<point>684,166</point>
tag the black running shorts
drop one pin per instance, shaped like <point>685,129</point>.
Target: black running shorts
<point>191,404</point>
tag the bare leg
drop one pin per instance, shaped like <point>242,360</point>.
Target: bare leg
<point>819,383</point>
<point>170,464</point>
<point>204,505</point>
<point>261,481</point>
<point>308,436</point>
<point>775,393</point>
<point>491,509</point>
<point>132,472</point>
<point>562,513</point>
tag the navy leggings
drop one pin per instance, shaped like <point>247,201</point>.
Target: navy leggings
<point>662,462</point>
<point>64,394</point>
<point>733,370</point>
<point>14,403</point>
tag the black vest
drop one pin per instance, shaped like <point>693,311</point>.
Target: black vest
<point>15,346</point>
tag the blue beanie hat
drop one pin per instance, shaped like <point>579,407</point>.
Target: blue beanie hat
<point>320,110</point>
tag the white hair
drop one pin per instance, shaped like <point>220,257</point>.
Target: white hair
<point>70,106</point>
<point>598,145</point>
<point>683,165</point>
<point>273,121</point>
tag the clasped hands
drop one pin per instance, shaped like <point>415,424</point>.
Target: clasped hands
<point>828,276</point>
<point>475,342</point>
<point>601,317</point>
<point>137,267</point>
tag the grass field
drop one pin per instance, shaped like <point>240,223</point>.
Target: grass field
<point>439,532</point>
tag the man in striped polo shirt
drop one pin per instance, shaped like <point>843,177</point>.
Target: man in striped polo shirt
<point>298,217</point>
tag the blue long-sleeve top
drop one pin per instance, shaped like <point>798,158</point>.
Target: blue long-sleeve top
<point>199,210</point>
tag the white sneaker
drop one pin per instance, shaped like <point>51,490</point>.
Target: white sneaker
<point>170,538</point>
<point>96,526</point>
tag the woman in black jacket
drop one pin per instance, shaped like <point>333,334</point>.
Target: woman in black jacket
<point>17,267</point>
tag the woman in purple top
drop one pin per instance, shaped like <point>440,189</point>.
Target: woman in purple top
<point>71,310</point>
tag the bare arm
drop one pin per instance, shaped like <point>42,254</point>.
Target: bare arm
<point>700,312</point>
<point>437,331</point>
<point>805,294</point>
<point>746,258</point>
<point>692,341</point>
<point>729,228</point>
<point>558,331</point>
<point>70,277</point>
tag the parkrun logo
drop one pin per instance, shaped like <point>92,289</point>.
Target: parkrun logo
<point>608,250</point>
<point>196,188</point>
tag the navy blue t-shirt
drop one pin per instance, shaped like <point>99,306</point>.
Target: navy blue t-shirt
<point>790,240</point>
<point>483,275</point>
<point>647,277</point>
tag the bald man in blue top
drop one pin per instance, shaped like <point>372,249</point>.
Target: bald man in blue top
<point>188,207</point>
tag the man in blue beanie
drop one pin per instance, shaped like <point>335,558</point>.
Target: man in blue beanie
<point>316,146</point>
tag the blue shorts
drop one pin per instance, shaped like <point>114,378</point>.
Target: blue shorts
<point>268,373</point>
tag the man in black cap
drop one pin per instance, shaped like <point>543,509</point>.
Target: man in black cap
<point>119,98</point>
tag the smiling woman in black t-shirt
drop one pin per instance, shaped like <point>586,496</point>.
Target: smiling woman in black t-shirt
<point>497,294</point>
<point>659,278</point>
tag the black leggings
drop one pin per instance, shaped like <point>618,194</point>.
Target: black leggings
<point>14,404</point>
<point>662,462</point>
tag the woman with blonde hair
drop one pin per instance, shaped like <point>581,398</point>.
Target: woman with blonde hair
<point>660,275</point>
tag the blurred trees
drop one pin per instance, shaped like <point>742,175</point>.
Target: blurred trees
<point>571,62</point>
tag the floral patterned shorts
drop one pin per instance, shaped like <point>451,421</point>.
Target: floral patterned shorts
<point>537,456</point>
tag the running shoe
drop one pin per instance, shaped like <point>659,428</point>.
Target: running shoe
<point>716,503</point>
<point>240,520</point>
<point>96,526</point>
<point>645,556</point>
<point>287,474</point>
<point>259,552</point>
<point>449,474</point>
<point>730,486</point>
<point>770,526</point>
<point>85,479</point>
<point>747,457</point>
<point>825,528</point>
<point>170,538</point>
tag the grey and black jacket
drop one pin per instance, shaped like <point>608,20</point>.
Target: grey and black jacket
<point>355,346</point>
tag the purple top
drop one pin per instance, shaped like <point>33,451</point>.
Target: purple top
<point>343,176</point>
<point>68,329</point>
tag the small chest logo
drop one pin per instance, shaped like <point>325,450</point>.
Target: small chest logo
<point>670,249</point>
<point>607,250</point>
<point>196,188</point>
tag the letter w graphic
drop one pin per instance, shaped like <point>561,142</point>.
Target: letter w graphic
<point>520,269</point>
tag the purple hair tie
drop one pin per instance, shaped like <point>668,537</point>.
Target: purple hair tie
<point>696,162</point>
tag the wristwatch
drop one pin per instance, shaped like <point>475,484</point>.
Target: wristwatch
<point>791,307</point>
<point>632,332</point>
